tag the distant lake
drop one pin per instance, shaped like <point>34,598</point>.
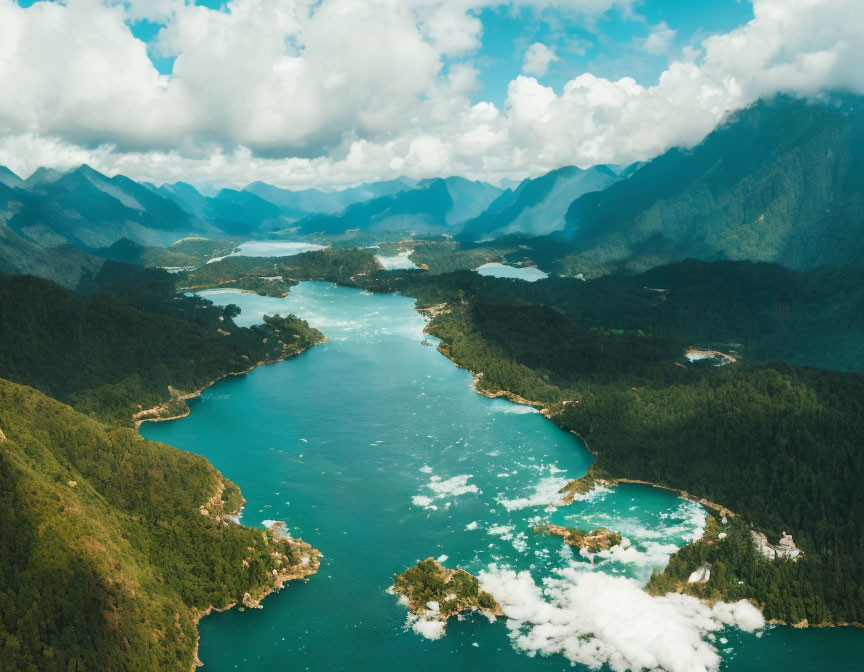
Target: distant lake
<point>270,248</point>
<point>496,270</point>
<point>398,261</point>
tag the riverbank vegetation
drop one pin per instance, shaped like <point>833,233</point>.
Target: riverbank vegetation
<point>132,344</point>
<point>347,267</point>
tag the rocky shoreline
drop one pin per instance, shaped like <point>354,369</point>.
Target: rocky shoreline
<point>435,594</point>
<point>598,539</point>
<point>155,414</point>
<point>296,572</point>
<point>308,564</point>
<point>309,557</point>
<point>588,482</point>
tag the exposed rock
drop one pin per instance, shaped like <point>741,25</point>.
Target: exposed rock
<point>784,550</point>
<point>598,539</point>
<point>583,485</point>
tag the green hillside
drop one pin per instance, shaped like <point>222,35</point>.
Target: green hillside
<point>781,181</point>
<point>106,560</point>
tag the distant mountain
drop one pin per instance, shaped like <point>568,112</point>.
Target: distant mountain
<point>184,195</point>
<point>537,206</point>
<point>64,265</point>
<point>10,179</point>
<point>87,209</point>
<point>308,201</point>
<point>263,208</point>
<point>432,206</point>
<point>42,176</point>
<point>50,222</point>
<point>781,181</point>
<point>241,213</point>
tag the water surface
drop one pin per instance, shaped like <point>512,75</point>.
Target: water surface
<point>396,261</point>
<point>496,270</point>
<point>375,449</point>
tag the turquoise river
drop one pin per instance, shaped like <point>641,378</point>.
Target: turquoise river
<point>374,448</point>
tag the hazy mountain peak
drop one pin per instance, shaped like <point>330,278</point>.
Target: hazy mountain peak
<point>10,179</point>
<point>538,205</point>
<point>43,175</point>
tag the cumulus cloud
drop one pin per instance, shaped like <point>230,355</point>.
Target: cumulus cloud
<point>595,619</point>
<point>659,40</point>
<point>428,628</point>
<point>336,92</point>
<point>538,57</point>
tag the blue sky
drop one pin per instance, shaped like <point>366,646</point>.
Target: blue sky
<point>608,49</point>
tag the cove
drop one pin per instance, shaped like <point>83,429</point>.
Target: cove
<point>374,448</point>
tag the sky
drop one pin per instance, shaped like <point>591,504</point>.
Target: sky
<point>330,93</point>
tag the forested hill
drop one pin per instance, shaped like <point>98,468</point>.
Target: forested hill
<point>119,350</point>
<point>782,181</point>
<point>762,311</point>
<point>777,444</point>
<point>106,560</point>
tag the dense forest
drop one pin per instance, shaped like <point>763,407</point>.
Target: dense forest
<point>339,266</point>
<point>762,311</point>
<point>106,560</point>
<point>777,444</point>
<point>118,350</point>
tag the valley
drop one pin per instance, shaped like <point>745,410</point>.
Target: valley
<point>691,322</point>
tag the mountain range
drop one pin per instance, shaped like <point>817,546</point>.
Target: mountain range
<point>538,206</point>
<point>781,181</point>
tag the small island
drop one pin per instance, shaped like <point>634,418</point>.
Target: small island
<point>434,593</point>
<point>584,485</point>
<point>598,539</point>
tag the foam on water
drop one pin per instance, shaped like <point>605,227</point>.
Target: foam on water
<point>403,461</point>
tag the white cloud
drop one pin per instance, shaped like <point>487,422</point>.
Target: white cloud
<point>428,628</point>
<point>538,57</point>
<point>331,93</point>
<point>659,40</point>
<point>595,619</point>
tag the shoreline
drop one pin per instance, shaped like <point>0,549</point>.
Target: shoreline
<point>612,481</point>
<point>140,417</point>
<point>293,573</point>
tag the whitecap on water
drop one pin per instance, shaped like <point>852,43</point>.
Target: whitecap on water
<point>546,493</point>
